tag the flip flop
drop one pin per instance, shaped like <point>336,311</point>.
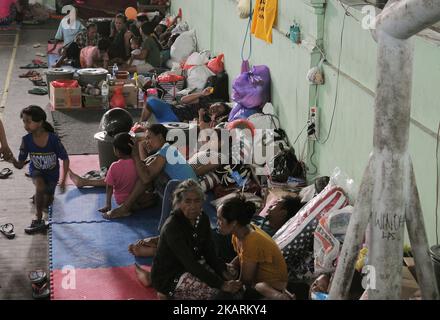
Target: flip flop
<point>38,91</point>
<point>39,83</point>
<point>30,66</point>
<point>29,74</point>
<point>40,292</point>
<point>8,230</point>
<point>5,173</point>
<point>37,276</point>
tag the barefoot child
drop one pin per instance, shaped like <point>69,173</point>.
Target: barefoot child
<point>44,149</point>
<point>122,175</point>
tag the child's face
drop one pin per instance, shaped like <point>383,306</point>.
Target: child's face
<point>29,125</point>
<point>134,45</point>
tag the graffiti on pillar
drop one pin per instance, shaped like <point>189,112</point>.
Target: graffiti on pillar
<point>390,224</point>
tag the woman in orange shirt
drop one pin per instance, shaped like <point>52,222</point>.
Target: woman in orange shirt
<point>260,261</point>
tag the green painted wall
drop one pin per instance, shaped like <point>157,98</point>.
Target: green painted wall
<point>350,142</point>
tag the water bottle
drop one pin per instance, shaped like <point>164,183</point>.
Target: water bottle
<point>319,296</point>
<point>237,178</point>
<point>115,70</point>
<point>104,92</point>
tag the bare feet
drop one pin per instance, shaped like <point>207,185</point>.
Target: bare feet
<point>119,212</point>
<point>143,248</point>
<point>76,179</point>
<point>143,276</point>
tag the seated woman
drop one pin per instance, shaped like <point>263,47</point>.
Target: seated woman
<point>165,162</point>
<point>119,40</point>
<point>185,265</point>
<point>187,109</point>
<point>260,262</point>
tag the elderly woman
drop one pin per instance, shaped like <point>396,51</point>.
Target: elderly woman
<point>260,262</point>
<point>164,162</point>
<point>185,265</point>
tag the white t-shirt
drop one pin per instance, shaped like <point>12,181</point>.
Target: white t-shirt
<point>67,32</point>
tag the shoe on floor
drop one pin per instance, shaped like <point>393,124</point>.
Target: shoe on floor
<point>36,226</point>
<point>38,91</point>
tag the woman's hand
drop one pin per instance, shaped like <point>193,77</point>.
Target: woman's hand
<point>207,91</point>
<point>6,153</point>
<point>230,269</point>
<point>231,286</point>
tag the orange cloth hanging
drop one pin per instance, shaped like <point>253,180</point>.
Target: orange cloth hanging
<point>265,13</point>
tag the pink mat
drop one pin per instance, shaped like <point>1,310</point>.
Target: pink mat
<point>80,164</point>
<point>99,284</point>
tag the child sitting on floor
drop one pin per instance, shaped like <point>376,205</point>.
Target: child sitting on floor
<point>95,56</point>
<point>122,175</point>
<point>135,44</point>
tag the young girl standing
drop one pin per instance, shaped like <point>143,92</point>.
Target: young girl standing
<point>44,149</point>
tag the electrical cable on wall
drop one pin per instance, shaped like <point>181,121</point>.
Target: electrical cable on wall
<point>337,83</point>
<point>250,36</point>
<point>437,184</point>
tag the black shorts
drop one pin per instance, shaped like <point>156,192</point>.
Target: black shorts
<point>48,181</point>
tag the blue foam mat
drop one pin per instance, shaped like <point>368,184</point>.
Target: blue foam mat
<point>82,205</point>
<point>99,245</point>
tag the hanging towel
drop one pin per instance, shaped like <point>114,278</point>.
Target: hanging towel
<point>264,17</point>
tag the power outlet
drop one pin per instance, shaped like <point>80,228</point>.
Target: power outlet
<point>313,124</point>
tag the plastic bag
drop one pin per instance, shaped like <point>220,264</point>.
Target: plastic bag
<point>251,88</point>
<point>216,64</point>
<point>329,237</point>
<point>198,76</point>
<point>197,59</point>
<point>244,8</point>
<point>65,84</point>
<point>117,100</point>
<point>184,45</point>
<point>342,180</point>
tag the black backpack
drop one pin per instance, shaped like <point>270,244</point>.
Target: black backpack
<point>220,83</point>
<point>285,164</point>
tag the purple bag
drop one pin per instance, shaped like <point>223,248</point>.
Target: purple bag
<point>240,112</point>
<point>251,88</point>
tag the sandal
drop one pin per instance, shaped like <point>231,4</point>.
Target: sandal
<point>8,230</point>
<point>30,73</point>
<point>5,173</point>
<point>38,91</point>
<point>37,276</point>
<point>39,83</point>
<point>30,66</point>
<point>40,292</point>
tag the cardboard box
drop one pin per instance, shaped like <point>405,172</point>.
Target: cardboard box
<point>65,98</point>
<point>409,284</point>
<point>130,93</point>
<point>90,101</point>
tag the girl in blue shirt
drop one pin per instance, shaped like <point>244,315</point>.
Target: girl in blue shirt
<point>44,148</point>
